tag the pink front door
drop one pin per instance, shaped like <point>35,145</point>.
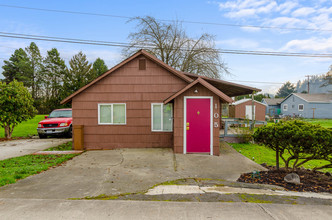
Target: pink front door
<point>198,125</point>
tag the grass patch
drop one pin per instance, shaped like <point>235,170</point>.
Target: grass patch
<point>63,147</point>
<point>26,128</point>
<point>262,154</point>
<point>326,123</point>
<point>17,168</point>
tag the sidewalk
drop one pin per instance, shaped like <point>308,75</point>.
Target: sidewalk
<point>16,148</point>
<point>95,209</point>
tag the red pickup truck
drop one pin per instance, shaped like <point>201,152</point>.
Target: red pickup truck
<point>59,122</point>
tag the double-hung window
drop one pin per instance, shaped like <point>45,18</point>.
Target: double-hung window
<point>301,107</point>
<point>161,117</point>
<point>285,107</point>
<point>112,114</point>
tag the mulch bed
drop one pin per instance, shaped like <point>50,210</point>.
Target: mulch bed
<point>310,181</point>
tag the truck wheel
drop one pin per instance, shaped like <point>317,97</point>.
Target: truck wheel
<point>42,136</point>
<point>70,132</point>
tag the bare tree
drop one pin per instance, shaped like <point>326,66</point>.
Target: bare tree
<point>170,43</point>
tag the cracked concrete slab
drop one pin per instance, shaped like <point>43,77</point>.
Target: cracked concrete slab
<point>195,189</point>
<point>120,171</point>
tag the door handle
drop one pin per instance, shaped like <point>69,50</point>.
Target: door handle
<point>187,128</point>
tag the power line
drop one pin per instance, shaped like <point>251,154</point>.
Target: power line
<point>147,46</point>
<point>165,20</point>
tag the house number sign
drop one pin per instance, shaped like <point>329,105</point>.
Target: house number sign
<point>216,115</point>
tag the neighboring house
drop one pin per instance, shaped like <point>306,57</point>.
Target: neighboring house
<point>272,106</point>
<point>144,103</point>
<point>243,109</point>
<point>307,105</point>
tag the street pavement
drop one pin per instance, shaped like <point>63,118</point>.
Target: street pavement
<point>95,209</point>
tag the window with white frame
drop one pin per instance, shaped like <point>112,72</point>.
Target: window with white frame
<point>301,107</point>
<point>285,107</point>
<point>161,117</point>
<point>112,114</point>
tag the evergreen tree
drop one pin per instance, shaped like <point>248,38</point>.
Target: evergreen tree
<point>34,74</point>
<point>17,67</point>
<point>53,75</point>
<point>98,67</point>
<point>79,74</point>
<point>286,89</point>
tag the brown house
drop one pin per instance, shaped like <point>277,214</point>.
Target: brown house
<point>142,102</point>
<point>243,109</point>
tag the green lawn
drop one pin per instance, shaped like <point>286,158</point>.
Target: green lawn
<point>326,123</point>
<point>262,154</point>
<point>26,128</point>
<point>17,168</point>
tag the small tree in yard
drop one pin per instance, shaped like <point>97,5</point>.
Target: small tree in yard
<point>301,140</point>
<point>270,136</point>
<point>16,105</point>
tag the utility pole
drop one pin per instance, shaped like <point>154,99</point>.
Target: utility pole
<point>313,113</point>
<point>308,82</point>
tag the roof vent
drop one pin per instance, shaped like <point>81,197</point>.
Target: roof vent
<point>142,64</point>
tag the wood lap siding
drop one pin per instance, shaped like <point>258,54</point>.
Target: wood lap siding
<point>138,89</point>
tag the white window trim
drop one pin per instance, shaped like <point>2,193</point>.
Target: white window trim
<point>285,107</point>
<point>299,107</point>
<point>111,104</point>
<point>162,116</point>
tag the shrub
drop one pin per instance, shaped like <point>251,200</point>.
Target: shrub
<point>303,141</point>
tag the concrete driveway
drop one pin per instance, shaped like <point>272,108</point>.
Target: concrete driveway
<point>9,149</point>
<point>120,171</point>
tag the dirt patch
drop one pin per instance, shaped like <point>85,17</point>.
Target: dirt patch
<point>310,181</point>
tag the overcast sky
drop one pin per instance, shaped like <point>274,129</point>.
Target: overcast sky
<point>315,14</point>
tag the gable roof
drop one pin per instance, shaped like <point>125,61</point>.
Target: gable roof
<point>313,98</point>
<point>137,54</point>
<point>230,89</point>
<point>246,100</point>
<point>275,101</point>
<point>207,85</point>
